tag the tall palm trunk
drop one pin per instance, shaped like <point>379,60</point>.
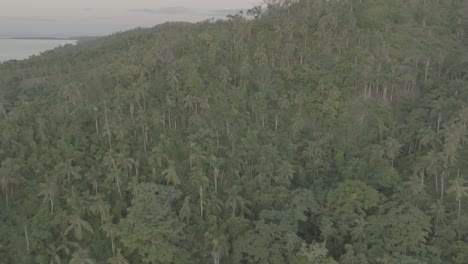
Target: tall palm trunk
<point>118,188</point>
<point>51,205</point>
<point>201,201</point>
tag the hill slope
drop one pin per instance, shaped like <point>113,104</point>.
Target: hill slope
<point>306,131</point>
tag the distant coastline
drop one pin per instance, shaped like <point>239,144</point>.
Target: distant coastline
<point>23,48</point>
<point>44,38</point>
<point>78,39</point>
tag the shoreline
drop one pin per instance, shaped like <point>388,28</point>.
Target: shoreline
<point>83,38</point>
<point>40,38</point>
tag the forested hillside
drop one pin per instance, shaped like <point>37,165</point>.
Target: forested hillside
<point>306,131</point>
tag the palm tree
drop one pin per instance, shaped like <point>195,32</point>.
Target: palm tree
<point>170,175</point>
<point>215,179</point>
<point>358,232</point>
<point>199,180</point>
<point>109,160</point>
<point>80,256</point>
<point>54,253</point>
<point>132,186</point>
<point>439,213</point>
<point>236,202</point>
<point>464,119</point>
<point>69,92</point>
<point>173,79</point>
<point>7,185</point>
<point>458,187</point>
<point>114,176</point>
<point>190,102</point>
<point>452,143</point>
<point>9,177</point>
<point>232,201</point>
<point>66,168</point>
<point>218,249</point>
<point>392,149</point>
<point>314,252</point>
<point>111,232</point>
<point>415,185</point>
<point>124,163</point>
<point>118,259</point>
<point>432,164</point>
<point>93,178</point>
<point>100,207</point>
<point>75,201</point>
<point>286,171</point>
<point>77,225</point>
<point>155,159</point>
<point>185,212</point>
<point>428,137</point>
<point>4,185</point>
<point>349,257</point>
<point>214,206</point>
<point>196,154</point>
<point>3,107</point>
<point>49,191</point>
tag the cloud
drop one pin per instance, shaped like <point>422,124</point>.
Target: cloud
<point>223,12</point>
<point>178,10</point>
<point>143,10</point>
<point>102,18</point>
<point>165,11</point>
<point>32,19</point>
<point>88,9</point>
<point>42,19</point>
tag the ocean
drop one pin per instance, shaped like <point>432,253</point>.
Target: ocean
<point>19,49</point>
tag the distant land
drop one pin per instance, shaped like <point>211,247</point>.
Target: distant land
<point>79,39</point>
<point>45,38</point>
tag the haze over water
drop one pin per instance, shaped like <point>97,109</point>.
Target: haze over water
<point>19,49</point>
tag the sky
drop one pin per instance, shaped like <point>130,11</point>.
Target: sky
<point>68,18</point>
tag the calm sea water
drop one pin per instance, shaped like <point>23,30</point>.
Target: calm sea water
<point>18,49</point>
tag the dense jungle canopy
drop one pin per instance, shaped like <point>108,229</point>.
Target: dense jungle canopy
<point>303,131</point>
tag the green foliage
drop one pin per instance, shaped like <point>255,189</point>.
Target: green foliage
<point>151,227</point>
<point>304,131</point>
<point>272,240</point>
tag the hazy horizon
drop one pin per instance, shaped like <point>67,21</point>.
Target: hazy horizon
<point>57,18</point>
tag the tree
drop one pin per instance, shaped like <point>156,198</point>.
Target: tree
<point>49,191</point>
<point>273,240</point>
<point>77,225</point>
<point>350,257</point>
<point>67,169</point>
<point>114,175</point>
<point>200,181</point>
<point>118,259</point>
<point>218,250</point>
<point>100,207</point>
<point>458,187</point>
<point>10,177</point>
<point>236,202</point>
<point>398,227</point>
<point>350,202</point>
<point>170,175</point>
<point>54,253</point>
<point>358,232</point>
<point>111,232</point>
<point>285,172</point>
<point>316,253</point>
<point>392,149</point>
<point>151,228</point>
<point>439,214</point>
<point>185,212</point>
<point>80,256</point>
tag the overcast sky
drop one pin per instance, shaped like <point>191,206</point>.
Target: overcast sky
<point>62,18</point>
